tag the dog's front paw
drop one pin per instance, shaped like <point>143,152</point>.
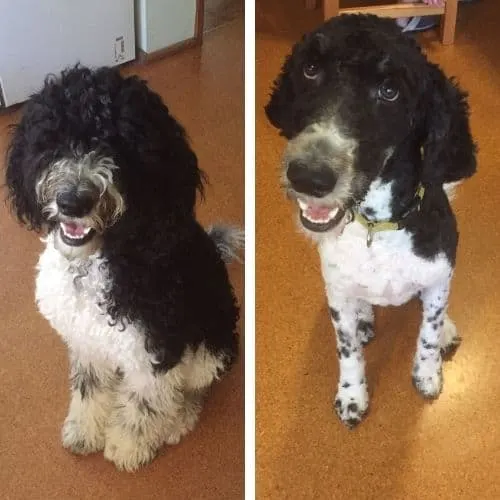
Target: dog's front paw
<point>82,437</point>
<point>186,419</point>
<point>429,386</point>
<point>351,403</point>
<point>127,450</point>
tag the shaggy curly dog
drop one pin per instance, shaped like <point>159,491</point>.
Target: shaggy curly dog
<point>376,136</point>
<point>136,288</point>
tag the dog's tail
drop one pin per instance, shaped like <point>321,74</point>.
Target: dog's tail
<point>229,240</point>
<point>450,189</point>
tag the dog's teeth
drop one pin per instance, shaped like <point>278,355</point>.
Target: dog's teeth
<point>302,204</point>
<point>333,213</point>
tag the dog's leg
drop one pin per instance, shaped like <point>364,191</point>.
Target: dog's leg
<point>365,321</point>
<point>351,401</point>
<point>92,389</point>
<point>437,335</point>
<point>148,413</point>
<point>187,417</point>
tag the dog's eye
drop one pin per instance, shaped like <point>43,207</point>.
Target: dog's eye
<point>311,70</point>
<point>388,91</point>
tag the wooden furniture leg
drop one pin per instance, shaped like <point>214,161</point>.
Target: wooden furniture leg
<point>449,22</point>
<point>311,4</point>
<point>330,8</point>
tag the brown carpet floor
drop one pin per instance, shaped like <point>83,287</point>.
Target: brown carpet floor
<point>204,89</point>
<point>407,448</point>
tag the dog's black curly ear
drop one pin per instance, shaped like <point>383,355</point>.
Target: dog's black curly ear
<point>448,148</point>
<point>23,165</point>
<point>278,109</point>
<point>158,143</point>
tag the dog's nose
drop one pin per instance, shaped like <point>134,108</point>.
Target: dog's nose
<point>74,204</point>
<point>315,181</point>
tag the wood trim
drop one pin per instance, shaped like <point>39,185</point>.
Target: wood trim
<point>199,20</point>
<point>311,4</point>
<point>144,57</point>
<point>396,10</point>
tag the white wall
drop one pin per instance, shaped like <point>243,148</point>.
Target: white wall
<point>44,36</point>
<point>163,23</point>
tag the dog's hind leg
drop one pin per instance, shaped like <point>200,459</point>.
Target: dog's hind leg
<point>201,368</point>
<point>351,401</point>
<point>437,335</point>
<point>92,395</point>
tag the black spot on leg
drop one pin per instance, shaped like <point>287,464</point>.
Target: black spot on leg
<point>334,314</point>
<point>432,319</point>
<point>427,345</point>
<point>346,385</point>
<point>353,422</point>
<point>344,352</point>
<point>435,326</point>
<point>365,326</point>
<point>342,336</point>
<point>85,380</point>
<point>369,211</point>
<point>352,407</point>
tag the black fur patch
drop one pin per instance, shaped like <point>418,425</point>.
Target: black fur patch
<point>352,407</point>
<point>344,352</point>
<point>343,337</point>
<point>334,314</point>
<point>427,345</point>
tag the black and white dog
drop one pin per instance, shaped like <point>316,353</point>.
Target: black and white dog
<point>376,135</point>
<point>136,288</point>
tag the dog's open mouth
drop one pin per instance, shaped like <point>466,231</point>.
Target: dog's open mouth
<point>320,218</point>
<point>75,234</point>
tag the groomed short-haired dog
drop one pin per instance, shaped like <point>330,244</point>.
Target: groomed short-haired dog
<point>135,287</point>
<point>376,134</point>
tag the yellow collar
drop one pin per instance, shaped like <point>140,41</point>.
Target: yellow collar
<point>375,227</point>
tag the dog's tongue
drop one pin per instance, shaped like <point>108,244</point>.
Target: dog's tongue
<point>317,212</point>
<point>73,229</point>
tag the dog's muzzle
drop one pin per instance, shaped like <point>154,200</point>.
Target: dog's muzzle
<point>311,186</point>
<point>73,207</point>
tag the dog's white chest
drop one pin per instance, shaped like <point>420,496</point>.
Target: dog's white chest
<point>68,294</point>
<point>386,273</point>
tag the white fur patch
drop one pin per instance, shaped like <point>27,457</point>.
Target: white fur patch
<point>378,199</point>
<point>387,273</point>
<point>142,411</point>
